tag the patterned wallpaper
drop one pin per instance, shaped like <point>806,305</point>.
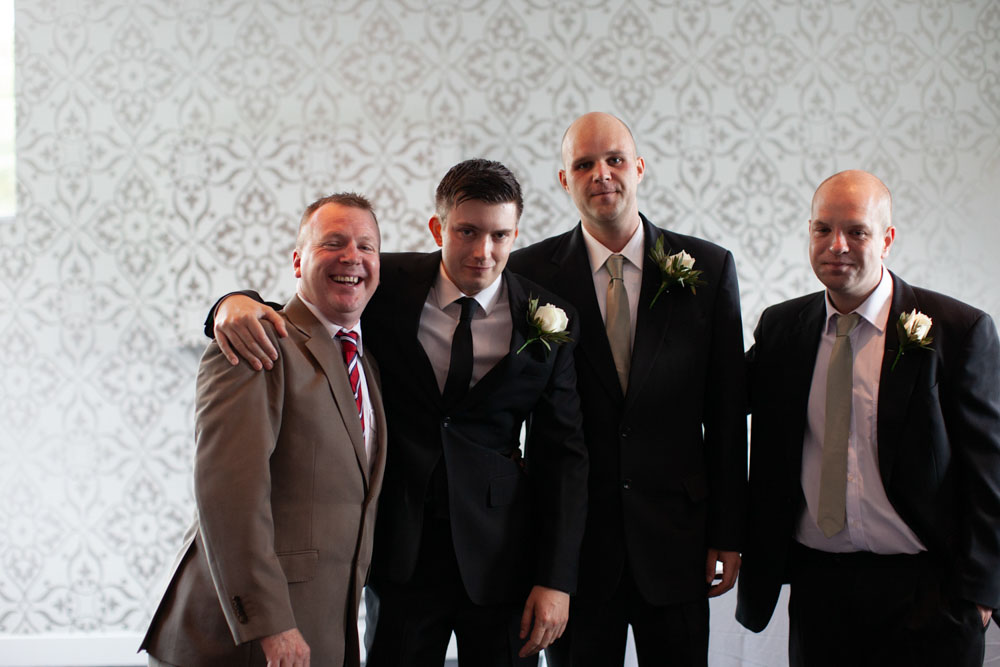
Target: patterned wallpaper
<point>167,147</point>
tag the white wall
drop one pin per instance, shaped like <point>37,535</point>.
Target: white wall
<point>166,148</point>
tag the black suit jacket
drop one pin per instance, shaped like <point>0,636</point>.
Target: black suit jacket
<point>938,442</point>
<point>514,523</point>
<point>667,460</point>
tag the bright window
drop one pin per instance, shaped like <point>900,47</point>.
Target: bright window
<point>7,174</point>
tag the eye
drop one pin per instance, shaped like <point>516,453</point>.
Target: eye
<point>583,166</point>
<point>500,236</point>
<point>615,161</point>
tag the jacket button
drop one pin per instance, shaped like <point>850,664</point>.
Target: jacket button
<point>627,484</point>
<point>446,422</point>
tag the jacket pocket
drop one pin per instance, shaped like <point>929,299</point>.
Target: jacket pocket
<point>299,566</point>
<point>502,490</point>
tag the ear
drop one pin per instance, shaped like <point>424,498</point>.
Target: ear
<point>640,167</point>
<point>562,180</point>
<point>887,241</point>
<point>297,263</point>
<point>436,227</point>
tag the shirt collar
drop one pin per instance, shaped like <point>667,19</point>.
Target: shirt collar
<point>331,328</point>
<point>874,309</point>
<point>599,253</point>
<point>446,292</point>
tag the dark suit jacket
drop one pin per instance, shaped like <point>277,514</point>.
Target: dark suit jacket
<point>513,526</point>
<point>667,460</point>
<point>286,509</point>
<point>938,442</point>
<point>514,523</point>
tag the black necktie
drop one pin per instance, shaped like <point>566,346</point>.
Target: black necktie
<point>460,367</point>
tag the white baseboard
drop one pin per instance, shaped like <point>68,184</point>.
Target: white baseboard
<point>109,650</point>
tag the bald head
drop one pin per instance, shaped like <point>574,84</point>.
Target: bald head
<point>859,188</point>
<point>595,123</point>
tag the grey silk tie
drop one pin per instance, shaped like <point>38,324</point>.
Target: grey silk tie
<point>831,513</point>
<point>618,323</point>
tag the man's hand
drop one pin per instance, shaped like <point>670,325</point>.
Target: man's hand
<point>730,568</point>
<point>985,613</point>
<point>286,649</point>
<point>238,327</point>
<point>550,610</point>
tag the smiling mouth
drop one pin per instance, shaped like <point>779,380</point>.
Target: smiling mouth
<point>347,280</point>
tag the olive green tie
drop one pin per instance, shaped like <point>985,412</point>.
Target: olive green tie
<point>831,513</point>
<point>618,323</point>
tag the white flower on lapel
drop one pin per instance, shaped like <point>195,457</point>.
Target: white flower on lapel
<point>548,325</point>
<point>675,270</point>
<point>912,329</point>
<point>551,319</point>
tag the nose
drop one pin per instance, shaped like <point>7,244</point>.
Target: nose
<point>350,254</point>
<point>838,243</point>
<point>483,248</point>
<point>601,172</point>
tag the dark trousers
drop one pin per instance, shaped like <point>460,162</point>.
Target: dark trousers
<point>865,609</point>
<point>664,635</point>
<point>415,620</point>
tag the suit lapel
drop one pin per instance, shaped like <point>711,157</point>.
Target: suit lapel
<point>375,397</point>
<point>511,363</point>
<point>573,280</point>
<point>801,344</point>
<point>895,386</point>
<point>329,358</point>
<point>650,323</point>
<point>415,283</point>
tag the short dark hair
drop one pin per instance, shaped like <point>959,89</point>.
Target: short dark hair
<point>349,199</point>
<point>477,180</point>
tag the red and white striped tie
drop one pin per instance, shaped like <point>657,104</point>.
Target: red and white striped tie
<point>349,345</point>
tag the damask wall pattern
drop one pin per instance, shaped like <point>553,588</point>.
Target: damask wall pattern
<point>167,147</point>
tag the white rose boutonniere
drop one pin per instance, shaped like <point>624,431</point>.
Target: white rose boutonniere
<point>912,329</point>
<point>676,270</point>
<point>548,324</point>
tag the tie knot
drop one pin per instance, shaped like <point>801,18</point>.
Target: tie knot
<point>847,323</point>
<point>348,338</point>
<point>468,307</point>
<point>615,264</point>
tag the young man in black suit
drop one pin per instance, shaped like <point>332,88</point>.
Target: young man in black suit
<point>875,456</point>
<point>661,382</point>
<point>470,537</point>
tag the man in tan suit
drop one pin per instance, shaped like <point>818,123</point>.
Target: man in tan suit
<point>287,474</point>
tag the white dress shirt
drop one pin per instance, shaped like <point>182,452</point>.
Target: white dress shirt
<point>631,271</point>
<point>872,523</point>
<point>491,326</point>
<point>366,403</point>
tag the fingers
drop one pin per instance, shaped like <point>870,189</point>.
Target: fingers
<point>710,565</point>
<point>278,321</point>
<point>226,348</point>
<point>526,617</point>
<point>985,613</point>
<point>248,340</point>
<point>730,570</point>
<point>550,609</point>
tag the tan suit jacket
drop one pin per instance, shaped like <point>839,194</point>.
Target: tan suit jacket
<point>286,508</point>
